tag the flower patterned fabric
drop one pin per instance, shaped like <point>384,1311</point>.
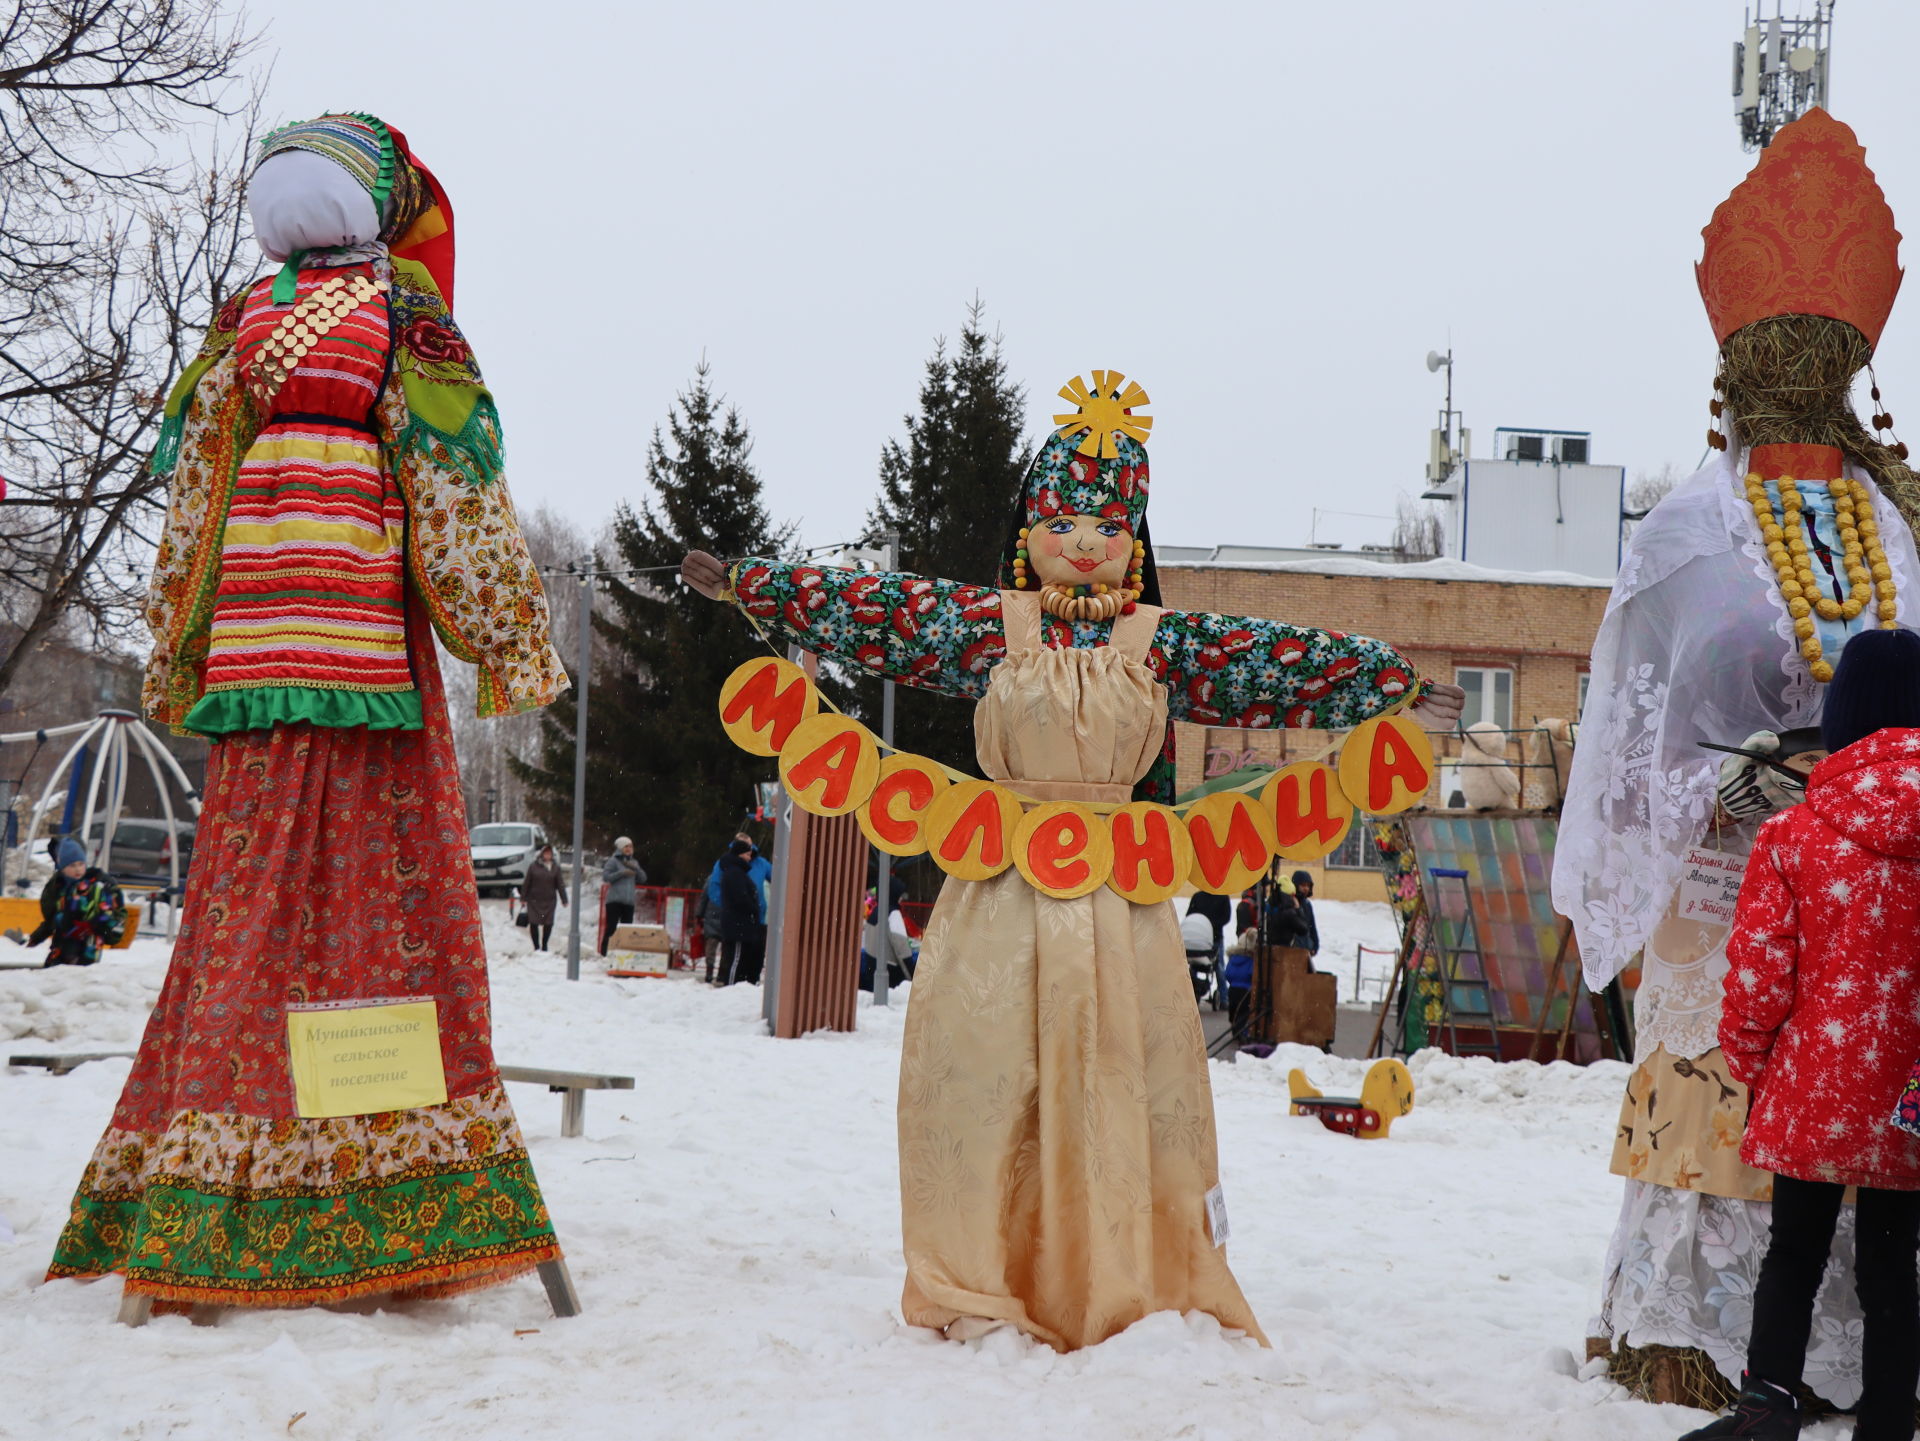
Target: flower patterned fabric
<point>436,428</point>
<point>943,636</point>
<point>335,866</point>
<point>1682,1270</point>
<point>1680,1125</point>
<point>1907,1115</point>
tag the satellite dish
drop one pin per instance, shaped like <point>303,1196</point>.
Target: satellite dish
<point>1435,360</point>
<point>1803,59</point>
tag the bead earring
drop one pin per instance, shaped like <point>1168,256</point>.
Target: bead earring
<point>1020,561</point>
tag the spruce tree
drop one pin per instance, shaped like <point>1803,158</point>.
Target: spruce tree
<point>659,767</point>
<point>949,487</point>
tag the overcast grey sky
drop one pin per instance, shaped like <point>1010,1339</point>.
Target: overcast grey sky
<point>1266,213</point>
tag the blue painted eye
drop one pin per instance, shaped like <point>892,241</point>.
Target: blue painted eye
<point>1109,527</point>
<point>1060,526</point>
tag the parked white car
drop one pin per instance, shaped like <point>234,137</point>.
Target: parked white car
<point>502,852</point>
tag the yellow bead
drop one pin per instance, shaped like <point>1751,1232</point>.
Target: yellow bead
<point>1829,609</point>
<point>1791,590</point>
<point>1882,571</point>
<point>1840,487</point>
<point>1803,628</point>
<point>1822,672</point>
<point>1810,649</point>
<point>1888,610</point>
<point>1797,606</point>
<point>1772,532</point>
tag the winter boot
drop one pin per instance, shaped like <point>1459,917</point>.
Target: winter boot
<point>1761,1412</point>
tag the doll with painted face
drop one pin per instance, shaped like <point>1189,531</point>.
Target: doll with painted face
<point>1057,1147</point>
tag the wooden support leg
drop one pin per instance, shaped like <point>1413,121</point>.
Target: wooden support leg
<point>135,1308</point>
<point>573,1111</point>
<point>559,1283</point>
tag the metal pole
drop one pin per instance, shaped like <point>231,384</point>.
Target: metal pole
<point>584,665</point>
<point>879,943</point>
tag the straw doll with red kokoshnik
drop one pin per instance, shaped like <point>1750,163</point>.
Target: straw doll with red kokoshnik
<point>335,490</point>
<point>1734,600</point>
<point>1056,1123</point>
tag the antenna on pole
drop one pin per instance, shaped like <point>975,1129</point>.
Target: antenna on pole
<point>1442,452</point>
<point>1781,69</point>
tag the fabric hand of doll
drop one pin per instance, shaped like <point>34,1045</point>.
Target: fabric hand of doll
<point>1750,788</point>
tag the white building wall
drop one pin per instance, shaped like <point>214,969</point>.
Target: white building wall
<point>1537,515</point>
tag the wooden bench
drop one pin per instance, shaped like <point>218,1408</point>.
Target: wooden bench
<point>59,1065</point>
<point>573,1086</point>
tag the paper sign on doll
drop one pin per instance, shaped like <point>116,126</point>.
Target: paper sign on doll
<point>1710,885</point>
<point>353,1058</point>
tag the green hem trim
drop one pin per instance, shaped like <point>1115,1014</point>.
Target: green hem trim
<point>178,1234</point>
<point>222,712</point>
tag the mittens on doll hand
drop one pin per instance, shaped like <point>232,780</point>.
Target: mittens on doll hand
<point>1750,789</point>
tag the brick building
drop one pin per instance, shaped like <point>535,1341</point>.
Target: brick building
<point>1518,642</point>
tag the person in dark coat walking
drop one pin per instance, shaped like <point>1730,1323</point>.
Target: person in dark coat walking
<point>739,910</point>
<point>1821,1022</point>
<point>540,891</point>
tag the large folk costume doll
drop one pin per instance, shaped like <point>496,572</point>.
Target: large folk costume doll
<point>1056,1122</point>
<point>1733,603</point>
<point>335,490</point>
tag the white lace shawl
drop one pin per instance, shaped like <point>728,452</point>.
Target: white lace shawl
<point>1696,645</point>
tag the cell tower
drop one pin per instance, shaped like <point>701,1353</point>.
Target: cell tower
<point>1780,69</point>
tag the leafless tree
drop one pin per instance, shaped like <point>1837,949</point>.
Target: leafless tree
<point>81,401</point>
<point>1419,531</point>
<point>1644,492</point>
<point>117,242</point>
<point>487,748</point>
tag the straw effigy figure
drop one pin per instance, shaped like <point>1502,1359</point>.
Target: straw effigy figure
<point>1057,1146</point>
<point>1734,600</point>
<point>335,494</point>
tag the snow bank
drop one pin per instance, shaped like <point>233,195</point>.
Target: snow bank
<point>733,1228</point>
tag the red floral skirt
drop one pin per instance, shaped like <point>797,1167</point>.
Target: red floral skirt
<point>330,865</point>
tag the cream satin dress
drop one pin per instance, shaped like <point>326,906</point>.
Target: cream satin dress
<point>1056,1121</point>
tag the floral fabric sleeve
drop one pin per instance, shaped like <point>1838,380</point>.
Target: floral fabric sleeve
<point>935,634</point>
<point>1223,670</point>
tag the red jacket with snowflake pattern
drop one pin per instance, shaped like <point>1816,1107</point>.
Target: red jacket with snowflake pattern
<point>1822,1013</point>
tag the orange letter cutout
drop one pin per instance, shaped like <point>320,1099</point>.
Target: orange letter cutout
<point>970,827</point>
<point>894,817</point>
<point>1232,841</point>
<point>763,701</point>
<point>1151,853</point>
<point>1311,814</point>
<point>1389,762</point>
<point>1063,850</point>
<point>829,765</point>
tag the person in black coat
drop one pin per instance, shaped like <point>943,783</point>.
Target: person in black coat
<point>739,911</point>
<point>1309,928</point>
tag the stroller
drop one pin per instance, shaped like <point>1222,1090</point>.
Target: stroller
<point>1203,962</point>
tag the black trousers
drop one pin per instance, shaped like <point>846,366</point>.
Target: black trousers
<point>732,949</point>
<point>539,934</point>
<point>753,955</point>
<point>1804,1215</point>
<point>618,914</point>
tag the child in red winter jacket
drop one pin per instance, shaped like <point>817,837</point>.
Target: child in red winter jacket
<point>1822,1023</point>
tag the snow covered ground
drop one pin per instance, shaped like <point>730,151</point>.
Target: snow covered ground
<point>733,1228</point>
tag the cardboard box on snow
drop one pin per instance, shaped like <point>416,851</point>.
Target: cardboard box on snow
<point>639,949</point>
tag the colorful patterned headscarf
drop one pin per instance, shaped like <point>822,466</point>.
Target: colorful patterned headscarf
<point>416,216</point>
<point>1094,464</point>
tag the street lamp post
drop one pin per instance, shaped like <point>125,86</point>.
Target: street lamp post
<point>583,672</point>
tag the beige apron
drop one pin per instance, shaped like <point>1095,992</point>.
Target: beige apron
<point>1056,1121</point>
